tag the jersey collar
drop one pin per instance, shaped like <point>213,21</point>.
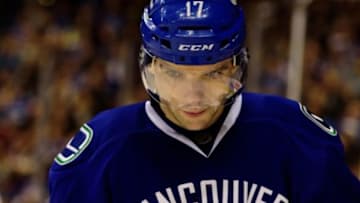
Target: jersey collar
<point>227,124</point>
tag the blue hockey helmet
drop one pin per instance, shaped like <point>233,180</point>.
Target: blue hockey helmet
<point>193,32</point>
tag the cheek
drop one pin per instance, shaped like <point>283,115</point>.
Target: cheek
<point>169,91</point>
<point>217,90</point>
<point>219,87</point>
<point>163,87</point>
<point>223,83</point>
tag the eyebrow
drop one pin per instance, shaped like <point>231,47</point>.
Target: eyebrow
<point>165,66</point>
<point>220,68</point>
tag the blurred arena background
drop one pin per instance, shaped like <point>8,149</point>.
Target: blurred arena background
<point>62,61</point>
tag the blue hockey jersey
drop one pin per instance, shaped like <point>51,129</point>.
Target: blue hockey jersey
<point>268,150</point>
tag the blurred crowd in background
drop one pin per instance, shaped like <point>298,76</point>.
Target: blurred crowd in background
<point>63,61</point>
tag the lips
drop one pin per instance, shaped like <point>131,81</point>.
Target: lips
<point>194,113</point>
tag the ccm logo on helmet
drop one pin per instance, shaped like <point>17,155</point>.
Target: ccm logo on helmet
<point>196,47</point>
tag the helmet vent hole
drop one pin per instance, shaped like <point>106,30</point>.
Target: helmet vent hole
<point>182,58</point>
<point>224,44</point>
<point>164,28</point>
<point>191,30</point>
<point>224,27</point>
<point>194,28</point>
<point>165,43</point>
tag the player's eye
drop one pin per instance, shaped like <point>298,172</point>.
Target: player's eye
<point>214,74</point>
<point>173,73</point>
<point>170,72</point>
<point>219,72</point>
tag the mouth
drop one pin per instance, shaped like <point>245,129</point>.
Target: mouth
<point>194,113</point>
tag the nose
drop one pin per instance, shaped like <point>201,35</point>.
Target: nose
<point>193,92</point>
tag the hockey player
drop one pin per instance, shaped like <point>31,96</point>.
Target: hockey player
<point>200,138</point>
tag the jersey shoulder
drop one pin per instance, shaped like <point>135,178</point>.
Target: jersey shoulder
<point>299,124</point>
<point>108,128</point>
<point>313,148</point>
<point>80,171</point>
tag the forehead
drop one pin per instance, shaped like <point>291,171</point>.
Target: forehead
<point>198,68</point>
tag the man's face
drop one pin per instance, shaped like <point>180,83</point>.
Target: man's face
<point>192,96</point>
